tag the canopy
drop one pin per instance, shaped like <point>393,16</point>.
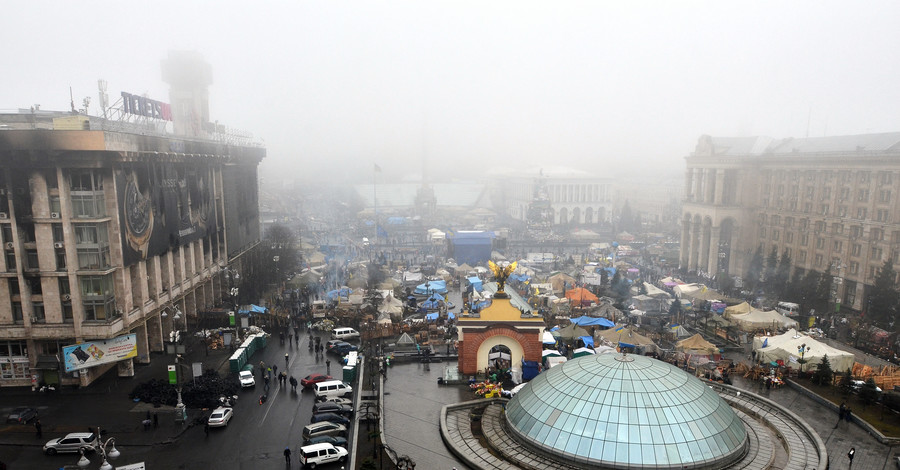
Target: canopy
<point>252,309</point>
<point>696,345</point>
<point>785,347</point>
<point>684,289</point>
<point>391,306</point>
<point>655,292</point>
<point>476,283</point>
<point>580,295</point>
<point>587,340</point>
<point>550,352</point>
<point>679,331</point>
<point>591,321</point>
<point>760,319</point>
<point>498,355</point>
<point>605,350</point>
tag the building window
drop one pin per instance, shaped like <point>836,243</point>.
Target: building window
<point>789,237</point>
<point>837,228</point>
<point>854,268</point>
<point>824,209</point>
<point>807,207</point>
<point>838,245</point>
<point>818,261</point>
<point>804,239</point>
<point>820,226</point>
<point>31,260</point>
<point>877,234</point>
<point>887,177</point>
<point>862,195</point>
<point>855,249</point>
<point>38,308</point>
<point>65,297</point>
<point>802,256</point>
<point>762,232</point>
<point>877,253</point>
<point>86,194</point>
<point>14,360</point>
<point>820,243</point>
<point>884,196</point>
<point>882,215</point>
<point>17,312</point>
<point>92,241</point>
<point>775,235</point>
<point>98,298</point>
<point>845,194</point>
<point>58,235</point>
<point>856,231</point>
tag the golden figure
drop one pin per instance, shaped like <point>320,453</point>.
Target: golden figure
<point>501,274</point>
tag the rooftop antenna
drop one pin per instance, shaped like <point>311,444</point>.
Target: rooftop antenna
<point>71,100</point>
<point>104,97</point>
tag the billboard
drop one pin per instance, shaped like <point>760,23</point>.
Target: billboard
<point>163,205</point>
<point>95,353</point>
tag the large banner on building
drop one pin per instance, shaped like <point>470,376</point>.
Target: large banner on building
<point>163,205</point>
<point>95,353</point>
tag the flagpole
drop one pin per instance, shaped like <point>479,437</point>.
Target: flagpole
<point>375,202</point>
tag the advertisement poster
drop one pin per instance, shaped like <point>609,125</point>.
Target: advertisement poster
<point>95,353</point>
<point>163,205</point>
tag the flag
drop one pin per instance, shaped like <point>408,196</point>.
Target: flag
<point>377,168</point>
<point>765,342</point>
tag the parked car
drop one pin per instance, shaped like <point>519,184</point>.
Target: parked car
<point>338,400</point>
<point>72,442</point>
<point>344,333</point>
<point>220,417</point>
<point>312,379</point>
<point>317,454</point>
<point>21,415</point>
<point>332,407</point>
<point>344,349</point>
<point>857,385</point>
<point>246,378</point>
<point>324,428</point>
<point>330,417</point>
<point>332,343</point>
<point>333,440</point>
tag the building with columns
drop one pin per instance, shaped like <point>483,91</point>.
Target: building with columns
<point>556,195</point>
<point>825,201</point>
<point>111,226</point>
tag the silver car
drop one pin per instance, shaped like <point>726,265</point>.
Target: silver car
<point>72,442</point>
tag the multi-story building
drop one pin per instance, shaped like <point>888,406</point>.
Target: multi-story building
<point>558,195</point>
<point>111,227</point>
<point>827,202</point>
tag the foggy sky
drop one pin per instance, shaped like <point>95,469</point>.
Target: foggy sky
<point>335,86</point>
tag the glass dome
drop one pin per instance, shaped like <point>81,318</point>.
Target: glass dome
<point>616,411</point>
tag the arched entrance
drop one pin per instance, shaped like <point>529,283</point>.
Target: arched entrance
<point>493,348</point>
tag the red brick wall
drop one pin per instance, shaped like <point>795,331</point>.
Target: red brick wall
<point>468,349</point>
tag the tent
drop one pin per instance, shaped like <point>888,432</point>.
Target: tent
<point>548,338</point>
<point>696,345</point>
<point>784,347</point>
<point>561,281</point>
<point>581,296</point>
<point>571,332</point>
<point>679,331</point>
<point>498,355</point>
<point>476,283</point>
<point>683,290</point>
<point>587,340</point>
<point>591,321</point>
<point>582,352</point>
<point>761,319</point>
<point>738,309</point>
<point>605,350</point>
<point>431,287</point>
<point>406,340</point>
<point>625,337</point>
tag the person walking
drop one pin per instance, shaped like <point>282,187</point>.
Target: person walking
<point>327,366</point>
<point>293,384</point>
<point>38,429</point>
<point>287,454</point>
<point>285,360</point>
<point>274,369</point>
<point>850,456</point>
<point>841,412</point>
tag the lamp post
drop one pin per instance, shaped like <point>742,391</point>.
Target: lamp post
<point>112,453</point>
<point>802,349</point>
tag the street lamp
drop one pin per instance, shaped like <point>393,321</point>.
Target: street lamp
<point>802,350</point>
<point>113,453</point>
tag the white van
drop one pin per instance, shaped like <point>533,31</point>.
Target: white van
<point>319,309</point>
<point>332,388</point>
<point>344,333</point>
<point>788,308</point>
<point>318,454</point>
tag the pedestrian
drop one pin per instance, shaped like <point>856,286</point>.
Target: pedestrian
<point>274,369</point>
<point>847,414</point>
<point>327,366</point>
<point>841,412</point>
<point>851,454</point>
<point>287,454</point>
<point>155,419</point>
<point>293,384</point>
<point>38,428</point>
<point>285,359</point>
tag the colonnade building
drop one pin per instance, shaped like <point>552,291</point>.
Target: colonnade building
<point>827,202</point>
<point>108,228</point>
<point>558,195</point>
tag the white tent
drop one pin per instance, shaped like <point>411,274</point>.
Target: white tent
<point>548,338</point>
<point>685,289</point>
<point>785,347</point>
<point>760,319</point>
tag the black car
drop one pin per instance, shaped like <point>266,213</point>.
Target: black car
<point>332,407</point>
<point>341,349</point>
<point>330,417</point>
<point>333,440</point>
<point>21,415</point>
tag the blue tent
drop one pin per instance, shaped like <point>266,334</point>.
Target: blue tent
<point>591,321</point>
<point>431,317</point>
<point>519,277</point>
<point>450,316</point>
<point>476,283</point>
<point>588,341</point>
<point>432,287</point>
<point>253,309</point>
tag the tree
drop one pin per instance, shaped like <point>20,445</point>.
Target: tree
<point>846,384</point>
<point>675,308</point>
<point>803,288</point>
<point>769,280</point>
<point>620,289</point>
<point>782,275</point>
<point>823,373</point>
<point>883,297</point>
<point>823,291</point>
<point>868,393</point>
<point>755,269</point>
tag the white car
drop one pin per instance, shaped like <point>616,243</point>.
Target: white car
<point>220,417</point>
<point>247,379</point>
